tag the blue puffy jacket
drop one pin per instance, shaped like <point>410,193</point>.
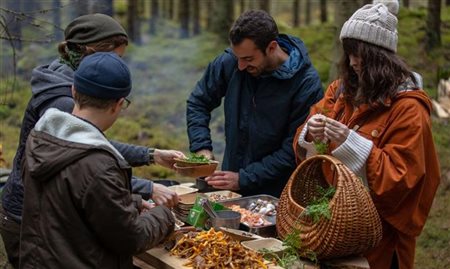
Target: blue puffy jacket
<point>261,115</point>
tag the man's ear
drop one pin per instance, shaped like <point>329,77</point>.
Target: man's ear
<point>118,105</point>
<point>271,47</point>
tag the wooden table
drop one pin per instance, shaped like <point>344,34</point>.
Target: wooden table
<point>160,258</point>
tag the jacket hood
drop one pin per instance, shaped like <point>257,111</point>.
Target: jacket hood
<point>419,95</point>
<point>298,57</point>
<point>51,76</point>
<point>413,89</point>
<point>59,139</point>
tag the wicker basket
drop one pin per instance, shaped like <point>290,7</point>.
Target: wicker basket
<point>354,226</point>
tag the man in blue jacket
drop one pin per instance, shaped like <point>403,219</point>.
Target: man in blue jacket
<point>268,84</point>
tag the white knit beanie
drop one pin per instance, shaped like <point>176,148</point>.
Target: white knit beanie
<point>374,23</point>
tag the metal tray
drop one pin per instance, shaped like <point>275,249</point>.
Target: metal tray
<point>244,202</point>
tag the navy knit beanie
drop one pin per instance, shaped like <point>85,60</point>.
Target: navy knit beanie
<point>92,28</point>
<point>103,75</point>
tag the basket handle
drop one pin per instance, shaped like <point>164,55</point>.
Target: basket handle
<point>325,157</point>
<point>333,160</point>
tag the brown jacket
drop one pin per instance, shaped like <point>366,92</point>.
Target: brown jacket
<point>78,210</point>
<point>402,169</point>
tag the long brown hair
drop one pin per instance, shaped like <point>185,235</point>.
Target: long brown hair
<point>73,53</point>
<point>382,72</point>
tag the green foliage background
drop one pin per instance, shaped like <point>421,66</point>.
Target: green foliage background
<point>165,70</point>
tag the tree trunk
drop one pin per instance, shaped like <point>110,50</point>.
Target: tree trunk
<point>251,4</point>
<point>171,9</point>
<point>14,23</point>
<point>308,12</point>
<point>242,6</point>
<point>183,14</point>
<point>80,8</point>
<point>343,10</point>
<point>103,6</point>
<point>265,5</point>
<point>209,14</point>
<point>196,17</point>
<point>447,2</point>
<point>406,3</point>
<point>133,22</point>
<point>57,32</point>
<point>296,13</point>
<point>222,19</point>
<point>323,11</point>
<point>433,36</point>
<point>154,16</point>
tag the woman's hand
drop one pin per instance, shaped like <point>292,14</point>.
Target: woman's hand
<point>316,127</point>
<point>335,131</point>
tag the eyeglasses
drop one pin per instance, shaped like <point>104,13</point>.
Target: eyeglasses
<point>126,103</point>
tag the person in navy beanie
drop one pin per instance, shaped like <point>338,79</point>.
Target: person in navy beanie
<point>51,88</point>
<point>86,216</point>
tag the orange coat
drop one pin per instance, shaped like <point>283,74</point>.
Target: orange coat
<point>402,169</point>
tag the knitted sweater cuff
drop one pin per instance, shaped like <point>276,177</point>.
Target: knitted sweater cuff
<point>308,146</point>
<point>354,153</point>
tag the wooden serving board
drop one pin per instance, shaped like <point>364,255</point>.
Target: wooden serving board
<point>160,258</point>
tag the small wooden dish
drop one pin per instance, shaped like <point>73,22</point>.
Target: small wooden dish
<point>195,171</point>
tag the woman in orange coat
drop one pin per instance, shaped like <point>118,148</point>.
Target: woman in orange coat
<point>376,120</point>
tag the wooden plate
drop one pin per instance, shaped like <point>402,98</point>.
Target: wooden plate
<point>181,190</point>
<point>239,235</point>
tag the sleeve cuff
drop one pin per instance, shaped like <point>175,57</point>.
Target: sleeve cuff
<point>308,146</point>
<point>354,153</point>
<point>151,155</point>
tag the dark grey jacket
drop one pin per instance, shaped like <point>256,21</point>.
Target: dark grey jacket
<point>51,87</point>
<point>261,115</point>
<point>78,209</point>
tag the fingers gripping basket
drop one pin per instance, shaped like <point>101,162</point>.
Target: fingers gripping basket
<point>354,226</point>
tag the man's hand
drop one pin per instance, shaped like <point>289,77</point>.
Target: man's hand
<point>207,153</point>
<point>166,157</point>
<point>225,180</point>
<point>146,206</point>
<point>164,196</point>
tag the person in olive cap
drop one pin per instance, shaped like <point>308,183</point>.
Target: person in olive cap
<point>86,216</point>
<point>51,88</point>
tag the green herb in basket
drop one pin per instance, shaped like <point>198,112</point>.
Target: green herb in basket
<point>195,158</point>
<point>319,207</point>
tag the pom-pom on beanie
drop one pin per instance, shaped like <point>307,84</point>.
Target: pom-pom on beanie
<point>374,23</point>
